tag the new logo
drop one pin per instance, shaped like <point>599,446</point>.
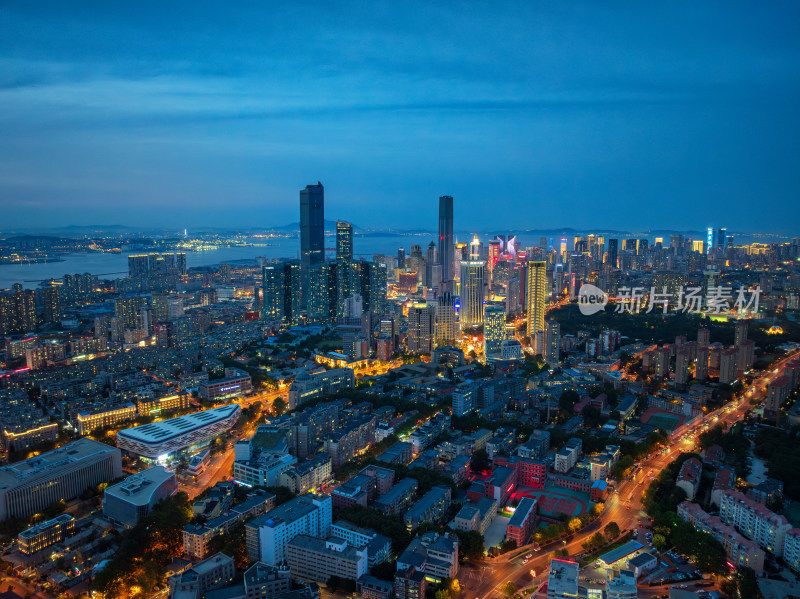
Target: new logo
<point>591,299</point>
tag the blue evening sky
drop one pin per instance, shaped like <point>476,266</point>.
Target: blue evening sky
<point>625,115</point>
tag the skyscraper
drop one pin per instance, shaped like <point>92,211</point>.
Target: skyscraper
<point>536,296</point>
<point>346,274</point>
<point>445,319</point>
<point>552,342</point>
<point>420,328</point>
<point>431,260</point>
<point>180,262</point>
<point>494,329</point>
<point>51,305</point>
<point>344,240</point>
<point>446,237</point>
<point>322,294</point>
<point>312,234</point>
<point>272,288</point>
<point>138,265</point>
<point>472,281</point>
<point>613,245</point>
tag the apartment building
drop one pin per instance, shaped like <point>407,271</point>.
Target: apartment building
<point>755,521</point>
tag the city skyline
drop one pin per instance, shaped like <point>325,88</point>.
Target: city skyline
<point>670,120</point>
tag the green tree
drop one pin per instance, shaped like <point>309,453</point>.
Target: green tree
<point>509,589</point>
<point>659,541</point>
<point>279,406</point>
<point>611,530</point>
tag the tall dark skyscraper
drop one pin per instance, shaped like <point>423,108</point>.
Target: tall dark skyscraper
<point>344,240</point>
<point>446,237</point>
<point>312,233</point>
<point>613,246</point>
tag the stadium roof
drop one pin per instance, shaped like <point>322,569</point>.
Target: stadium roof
<point>158,432</point>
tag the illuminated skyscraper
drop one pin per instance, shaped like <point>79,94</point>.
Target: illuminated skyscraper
<point>494,329</point>
<point>346,272</point>
<point>180,263</point>
<point>371,279</point>
<point>494,253</point>
<point>272,288</point>
<point>17,312</point>
<point>322,295</point>
<point>475,249</point>
<point>420,328</point>
<point>446,237</point>
<point>472,281</point>
<point>536,296</point>
<point>312,234</point>
<point>445,319</point>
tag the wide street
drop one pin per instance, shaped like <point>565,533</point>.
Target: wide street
<point>483,579</point>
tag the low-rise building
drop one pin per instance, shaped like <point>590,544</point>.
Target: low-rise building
<point>724,481</point>
<point>216,571</point>
<point>102,415</point>
<point>378,546</point>
<point>409,583</point>
<point>316,559</point>
<point>689,477</point>
<point>397,499</point>
<point>791,549</point>
<point>523,521</point>
<point>306,476</point>
<point>431,507</point>
<point>476,516</point>
<point>262,581</point>
<point>132,499</point>
<point>435,555</point>
<point>741,551</point>
<point>222,389</point>
<point>754,520</point>
<point>45,534</point>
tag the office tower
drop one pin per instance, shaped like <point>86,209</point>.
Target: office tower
<point>472,281</point>
<point>641,246</point>
<point>698,246</point>
<point>612,252</point>
<point>709,240</point>
<point>445,319</point>
<point>401,258</point>
<point>475,249</point>
<point>446,237</point>
<point>312,234</point>
<point>51,304</point>
<point>322,292</point>
<point>722,239</point>
<point>536,295</point>
<point>344,240</point>
<point>494,253</point>
<point>138,265</point>
<point>494,328</point>
<point>272,289</point>
<point>346,271</point>
<point>180,263</point>
<point>421,328</point>
<point>17,312</point>
<point>552,342</point>
<point>431,260</point>
<point>740,332</point>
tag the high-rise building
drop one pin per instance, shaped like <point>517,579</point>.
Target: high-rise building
<point>371,284</point>
<point>613,246</point>
<point>552,342</point>
<point>291,291</point>
<point>180,263</point>
<point>322,292</point>
<point>536,296</point>
<point>273,288</point>
<point>138,265</point>
<point>445,319</point>
<point>51,304</point>
<point>494,253</point>
<point>494,328</point>
<point>127,309</point>
<point>421,328</point>
<point>401,258</point>
<point>312,234</point>
<point>472,282</point>
<point>740,331</point>
<point>446,237</point>
<point>344,240</point>
<point>701,364</point>
<point>17,312</point>
<point>431,260</point>
<point>703,337</point>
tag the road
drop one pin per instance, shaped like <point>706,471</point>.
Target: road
<point>483,579</point>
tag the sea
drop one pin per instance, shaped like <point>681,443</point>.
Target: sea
<point>115,266</point>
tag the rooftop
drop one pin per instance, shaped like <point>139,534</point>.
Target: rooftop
<point>158,432</point>
<point>138,488</point>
